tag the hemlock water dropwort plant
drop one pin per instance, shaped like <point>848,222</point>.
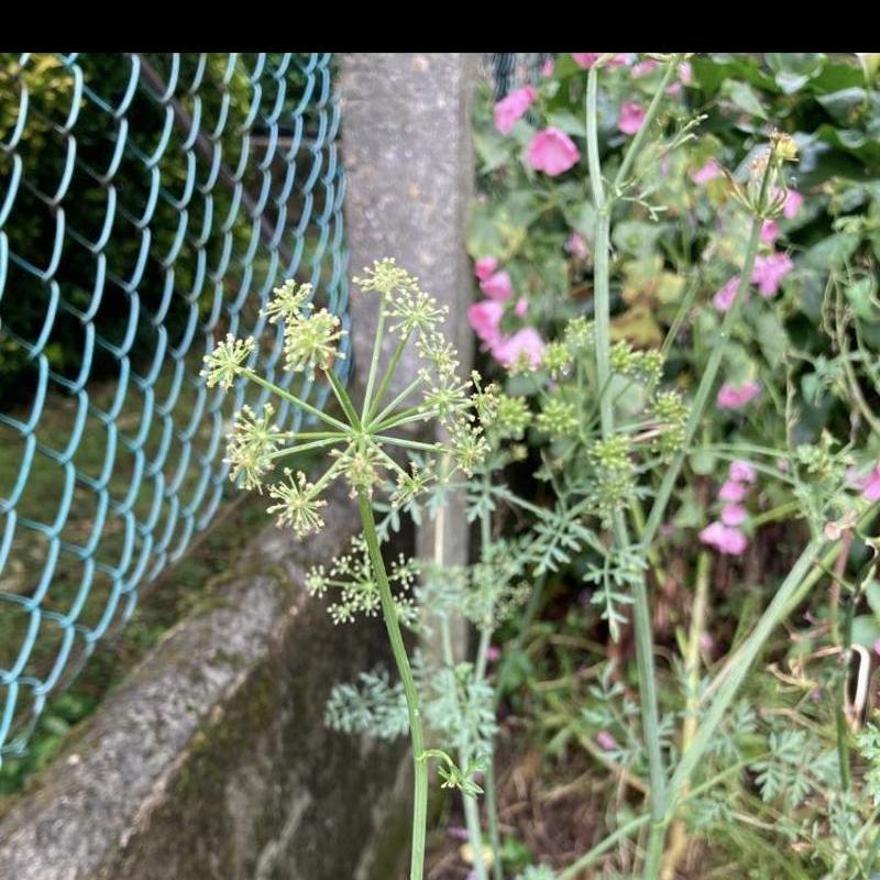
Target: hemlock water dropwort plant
<point>359,447</point>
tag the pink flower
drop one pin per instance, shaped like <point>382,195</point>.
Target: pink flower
<point>552,151</point>
<point>576,245</point>
<point>725,539</point>
<point>742,472</point>
<point>736,396</point>
<point>606,741</point>
<point>868,484</point>
<point>708,172</point>
<point>685,73</point>
<point>521,307</point>
<point>707,643</point>
<point>673,89</point>
<point>724,298</point>
<point>493,653</point>
<point>793,202</point>
<point>732,492</point>
<point>643,68</point>
<point>769,272</point>
<point>769,232</point>
<point>733,514</point>
<point>512,108</point>
<point>484,267</point>
<point>631,117</point>
<point>497,286</point>
<point>588,59</point>
<point>547,68</point>
<point>485,318</point>
<point>585,59</point>
<point>525,343</point>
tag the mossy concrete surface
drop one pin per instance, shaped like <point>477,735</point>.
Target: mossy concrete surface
<point>212,761</point>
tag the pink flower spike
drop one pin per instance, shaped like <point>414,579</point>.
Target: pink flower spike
<point>742,472</point>
<point>733,514</point>
<point>576,245</point>
<point>725,297</point>
<point>525,343</point>
<point>769,232</point>
<point>643,68</point>
<point>498,286</point>
<point>606,741</point>
<point>512,108</point>
<point>552,151</point>
<point>631,117</point>
<point>547,68</point>
<point>732,492</point>
<point>708,172</point>
<point>737,396</point>
<point>484,267</point>
<point>724,539</point>
<point>769,272</point>
<point>793,202</point>
<point>485,318</point>
<point>521,307</point>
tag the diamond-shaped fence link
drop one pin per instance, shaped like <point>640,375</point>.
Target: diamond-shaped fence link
<point>148,206</point>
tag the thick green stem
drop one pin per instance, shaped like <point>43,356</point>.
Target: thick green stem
<point>401,659</point>
<point>641,607</point>
<point>480,672</point>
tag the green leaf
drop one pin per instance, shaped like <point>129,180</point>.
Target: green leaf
<point>744,97</point>
<point>865,630</point>
<point>861,295</point>
<point>872,594</point>
<point>702,462</point>
<point>581,216</point>
<point>772,337</point>
<point>636,237</point>
<point>846,105</point>
<point>568,122</point>
<point>793,70</point>
<point>831,251</point>
<point>834,77</point>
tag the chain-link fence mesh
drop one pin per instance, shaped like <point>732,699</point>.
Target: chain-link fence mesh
<point>148,206</point>
<point>510,70</point>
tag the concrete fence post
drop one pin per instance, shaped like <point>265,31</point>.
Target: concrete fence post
<point>408,154</point>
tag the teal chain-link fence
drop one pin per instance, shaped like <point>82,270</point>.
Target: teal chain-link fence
<point>148,206</point>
